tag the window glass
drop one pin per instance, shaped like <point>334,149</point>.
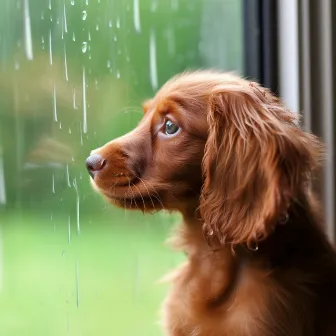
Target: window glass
<point>73,74</point>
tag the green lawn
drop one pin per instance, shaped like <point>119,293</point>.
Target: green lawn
<point>101,283</point>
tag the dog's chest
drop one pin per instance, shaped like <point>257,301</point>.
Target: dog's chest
<point>203,301</point>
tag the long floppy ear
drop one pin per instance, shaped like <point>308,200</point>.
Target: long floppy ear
<point>256,161</point>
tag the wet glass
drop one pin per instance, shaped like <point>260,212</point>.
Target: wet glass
<point>73,74</point>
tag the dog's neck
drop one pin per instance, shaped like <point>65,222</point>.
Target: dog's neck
<point>290,239</point>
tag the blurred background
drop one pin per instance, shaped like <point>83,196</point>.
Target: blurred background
<point>73,74</point>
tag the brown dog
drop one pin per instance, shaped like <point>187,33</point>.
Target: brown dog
<point>232,159</point>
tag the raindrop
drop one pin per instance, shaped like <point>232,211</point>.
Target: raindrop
<point>118,23</point>
<point>42,16</point>
<point>42,39</point>
<point>136,16</point>
<point>153,61</point>
<point>110,23</point>
<point>77,204</point>
<point>97,26</point>
<point>65,19</point>
<point>74,99</point>
<point>69,130</point>
<point>17,65</point>
<point>53,186</point>
<point>84,103</point>
<point>57,21</point>
<point>65,65</point>
<point>73,37</point>
<point>50,48</point>
<point>2,180</point>
<point>89,36</point>
<point>68,175</point>
<point>28,35</point>
<point>49,4</point>
<point>108,63</point>
<point>72,2</point>
<point>115,38</point>
<point>89,56</point>
<point>84,47</point>
<point>60,125</point>
<point>118,74</point>
<point>87,2</point>
<point>54,103</point>
<point>84,15</point>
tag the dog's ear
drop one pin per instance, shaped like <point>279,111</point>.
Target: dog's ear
<point>256,161</point>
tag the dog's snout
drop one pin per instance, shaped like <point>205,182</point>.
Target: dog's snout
<point>95,163</point>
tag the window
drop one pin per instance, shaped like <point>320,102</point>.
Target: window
<point>73,76</point>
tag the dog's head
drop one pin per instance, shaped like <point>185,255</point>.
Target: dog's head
<point>214,142</point>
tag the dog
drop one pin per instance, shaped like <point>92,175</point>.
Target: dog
<point>233,160</point>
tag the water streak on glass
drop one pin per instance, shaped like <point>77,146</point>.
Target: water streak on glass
<point>84,15</point>
<point>65,64</point>
<point>74,99</point>
<point>152,61</point>
<point>50,48</point>
<point>53,185</point>
<point>68,176</point>
<point>136,16</point>
<point>28,34</point>
<point>2,180</point>
<point>65,19</point>
<point>77,204</point>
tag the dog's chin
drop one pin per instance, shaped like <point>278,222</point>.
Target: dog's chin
<point>144,203</point>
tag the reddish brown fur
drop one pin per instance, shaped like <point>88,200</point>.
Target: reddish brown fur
<point>238,166</point>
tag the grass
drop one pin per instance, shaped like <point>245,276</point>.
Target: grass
<point>101,283</point>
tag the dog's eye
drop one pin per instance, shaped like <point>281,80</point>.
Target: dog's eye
<point>171,128</point>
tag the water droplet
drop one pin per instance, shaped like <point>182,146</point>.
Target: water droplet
<point>42,16</point>
<point>60,125</point>
<point>153,61</point>
<point>27,30</point>
<point>65,65</point>
<point>89,36</point>
<point>69,130</point>
<point>97,26</point>
<point>108,63</point>
<point>118,74</point>
<point>53,186</point>
<point>115,38</point>
<point>118,23</point>
<point>50,48</point>
<point>73,37</point>
<point>17,65</point>
<point>72,2</point>
<point>84,47</point>
<point>49,4</point>
<point>136,16</point>
<point>110,23</point>
<point>65,19</point>
<point>84,15</point>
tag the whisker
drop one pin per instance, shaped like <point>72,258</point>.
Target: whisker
<point>157,194</point>
<point>143,201</point>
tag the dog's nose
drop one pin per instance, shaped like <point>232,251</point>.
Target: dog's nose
<point>94,163</point>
